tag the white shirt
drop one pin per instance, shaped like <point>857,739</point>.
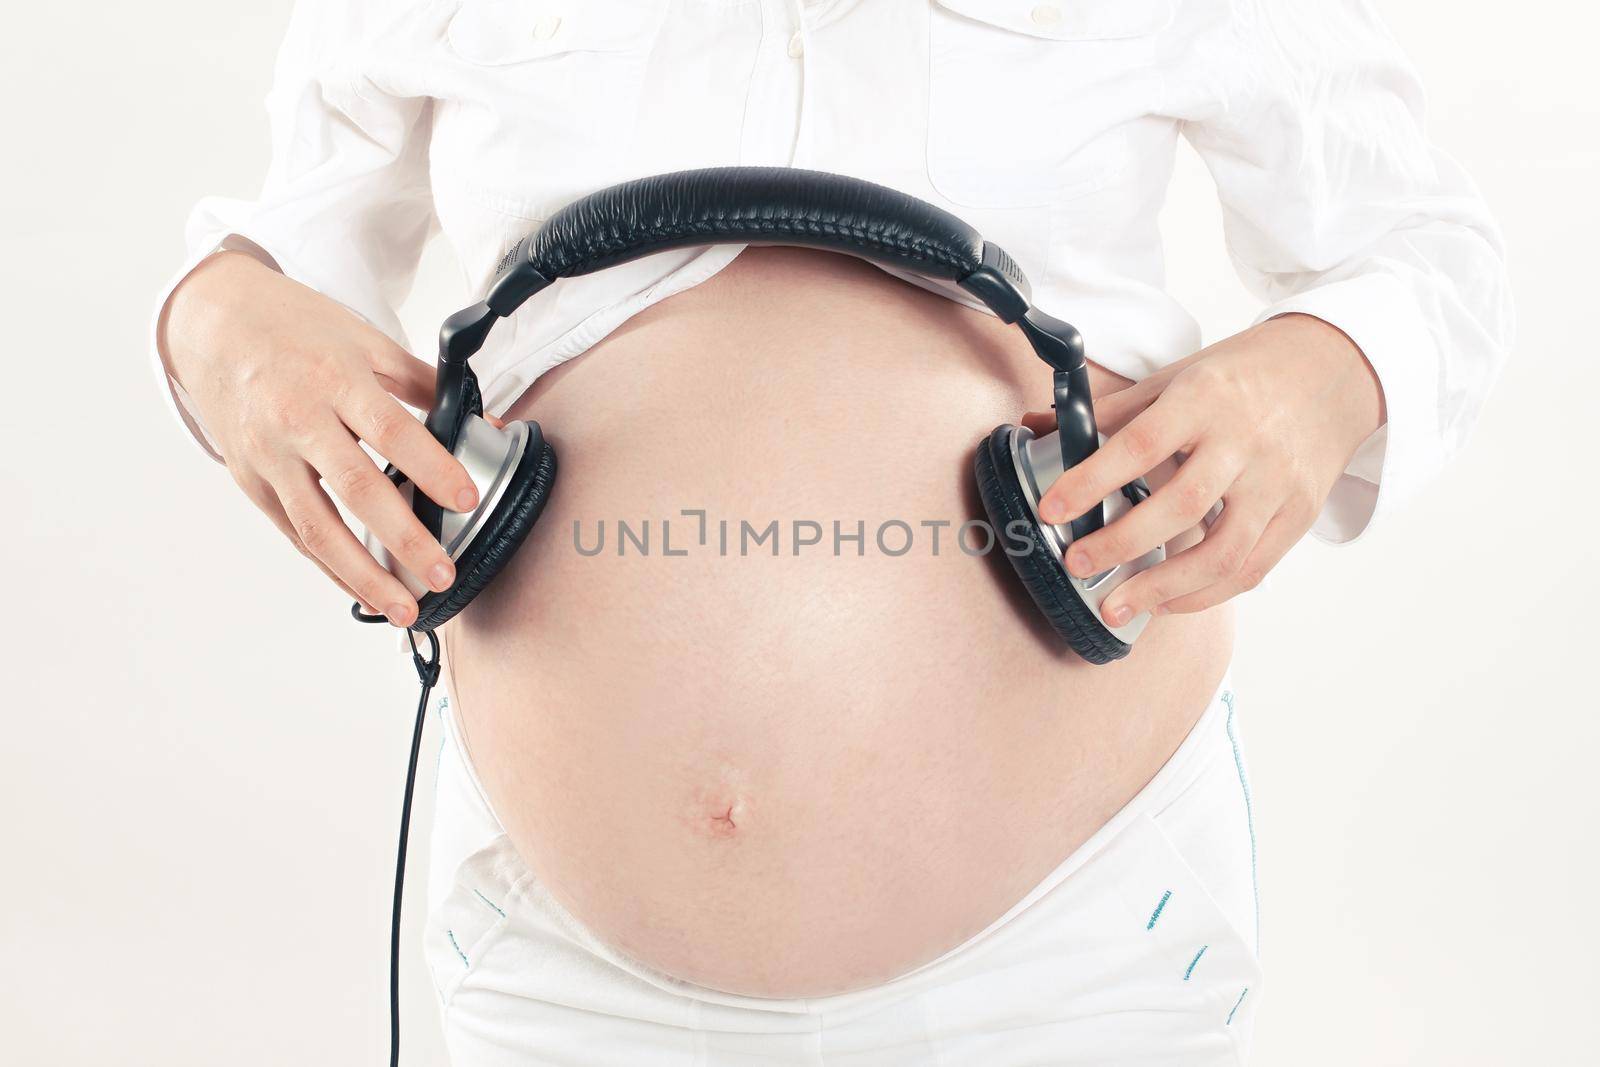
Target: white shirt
<point>1049,125</point>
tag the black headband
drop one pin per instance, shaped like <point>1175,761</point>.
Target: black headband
<point>762,205</point>
<point>775,205</point>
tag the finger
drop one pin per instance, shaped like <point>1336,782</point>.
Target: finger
<point>1152,436</point>
<point>1172,509</point>
<point>323,533</point>
<point>374,500</point>
<point>287,528</point>
<point>405,442</point>
<point>262,495</point>
<point>1217,559</point>
<point>1281,534</point>
<point>401,374</point>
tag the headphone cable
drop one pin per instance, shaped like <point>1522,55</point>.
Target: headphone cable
<point>428,675</point>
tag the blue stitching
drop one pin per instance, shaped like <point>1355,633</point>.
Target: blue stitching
<point>451,934</point>
<point>438,761</point>
<point>489,902</point>
<point>1194,961</point>
<point>1236,1006</point>
<point>1249,813</point>
<point>1151,925</point>
<point>444,738</point>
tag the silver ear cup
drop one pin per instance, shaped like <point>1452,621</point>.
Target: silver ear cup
<point>489,455</point>
<point>1038,463</point>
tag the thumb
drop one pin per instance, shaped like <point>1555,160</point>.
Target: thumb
<point>1112,411</point>
<point>1040,422</point>
<point>1115,410</point>
<point>406,377</point>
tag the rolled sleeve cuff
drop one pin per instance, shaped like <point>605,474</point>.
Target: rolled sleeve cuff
<point>1379,313</point>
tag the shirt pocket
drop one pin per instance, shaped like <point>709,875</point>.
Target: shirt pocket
<point>497,33</point>
<point>1030,104</point>
<point>542,98</point>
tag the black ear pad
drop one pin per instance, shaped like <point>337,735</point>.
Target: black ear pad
<point>508,526</point>
<point>1043,573</point>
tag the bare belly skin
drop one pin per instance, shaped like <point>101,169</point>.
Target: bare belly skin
<point>803,774</point>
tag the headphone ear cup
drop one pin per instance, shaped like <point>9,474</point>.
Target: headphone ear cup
<point>1043,573</point>
<point>491,549</point>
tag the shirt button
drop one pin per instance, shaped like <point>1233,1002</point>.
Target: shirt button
<point>797,46</point>
<point>1046,15</point>
<point>546,27</point>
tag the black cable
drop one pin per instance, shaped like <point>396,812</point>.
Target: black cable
<point>428,675</point>
<point>361,616</point>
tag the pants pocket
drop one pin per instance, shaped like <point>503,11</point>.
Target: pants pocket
<point>1198,944</point>
<point>471,915</point>
<point>473,868</point>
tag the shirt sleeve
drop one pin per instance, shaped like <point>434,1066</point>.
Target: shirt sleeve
<point>346,205</point>
<point>1336,205</point>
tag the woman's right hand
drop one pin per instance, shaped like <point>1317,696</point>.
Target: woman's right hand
<point>287,381</point>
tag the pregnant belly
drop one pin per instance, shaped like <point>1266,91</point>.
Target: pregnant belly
<point>777,767</point>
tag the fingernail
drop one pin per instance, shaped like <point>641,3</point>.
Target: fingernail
<point>440,575</point>
<point>1118,615</point>
<point>397,614</point>
<point>466,500</point>
<point>1078,563</point>
<point>1053,512</point>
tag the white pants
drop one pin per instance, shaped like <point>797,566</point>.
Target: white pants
<point>1138,949</point>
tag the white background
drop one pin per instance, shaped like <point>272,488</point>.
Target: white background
<point>200,759</point>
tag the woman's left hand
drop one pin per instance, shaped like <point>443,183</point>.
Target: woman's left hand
<point>1264,421</point>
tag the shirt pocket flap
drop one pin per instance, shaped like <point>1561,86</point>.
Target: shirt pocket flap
<point>502,32</point>
<point>1069,20</point>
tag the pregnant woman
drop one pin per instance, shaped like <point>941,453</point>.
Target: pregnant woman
<point>824,803</point>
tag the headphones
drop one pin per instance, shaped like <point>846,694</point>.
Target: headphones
<point>514,468</point>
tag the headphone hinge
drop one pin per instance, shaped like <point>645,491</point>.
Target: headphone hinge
<point>1078,436</point>
<point>464,332</point>
<point>514,288</point>
<point>1000,284</point>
